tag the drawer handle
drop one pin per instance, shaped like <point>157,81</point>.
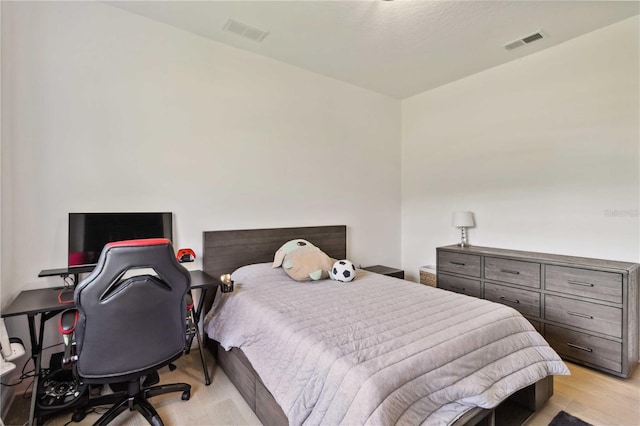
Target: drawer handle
<point>580,283</point>
<point>457,263</point>
<point>578,314</point>
<point>582,348</point>
<point>510,271</point>
<point>458,288</point>
<point>509,300</point>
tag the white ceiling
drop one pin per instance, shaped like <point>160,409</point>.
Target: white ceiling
<point>398,48</point>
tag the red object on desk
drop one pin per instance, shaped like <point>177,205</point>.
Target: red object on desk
<point>186,255</point>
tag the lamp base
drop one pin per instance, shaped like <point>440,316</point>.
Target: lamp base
<point>463,240</point>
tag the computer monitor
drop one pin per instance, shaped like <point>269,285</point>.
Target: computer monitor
<point>89,232</point>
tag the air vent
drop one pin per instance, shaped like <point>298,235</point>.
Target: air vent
<point>244,30</point>
<point>524,40</point>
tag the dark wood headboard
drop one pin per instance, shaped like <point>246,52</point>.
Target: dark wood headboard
<point>226,251</point>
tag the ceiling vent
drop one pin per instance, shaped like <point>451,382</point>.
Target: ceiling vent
<point>525,40</point>
<point>244,30</point>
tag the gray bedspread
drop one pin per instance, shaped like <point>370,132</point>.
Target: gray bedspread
<point>378,350</point>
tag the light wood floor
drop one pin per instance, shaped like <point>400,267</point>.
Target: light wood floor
<point>594,397</point>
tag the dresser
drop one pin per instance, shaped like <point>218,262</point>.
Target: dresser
<point>587,309</point>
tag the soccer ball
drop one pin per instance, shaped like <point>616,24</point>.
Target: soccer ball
<point>343,270</point>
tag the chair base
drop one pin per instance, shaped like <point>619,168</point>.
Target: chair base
<point>135,398</point>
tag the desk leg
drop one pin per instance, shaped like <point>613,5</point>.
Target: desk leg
<point>196,317</point>
<point>36,353</point>
<point>205,370</point>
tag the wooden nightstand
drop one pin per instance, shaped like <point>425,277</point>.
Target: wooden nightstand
<point>385,270</point>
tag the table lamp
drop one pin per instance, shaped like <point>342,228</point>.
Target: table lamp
<point>463,220</point>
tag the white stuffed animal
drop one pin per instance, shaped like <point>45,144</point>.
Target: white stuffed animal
<point>302,261</point>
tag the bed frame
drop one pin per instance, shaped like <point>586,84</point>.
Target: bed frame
<point>225,251</point>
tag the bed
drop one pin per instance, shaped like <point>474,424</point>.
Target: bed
<point>378,350</point>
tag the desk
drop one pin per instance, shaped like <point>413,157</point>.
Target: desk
<point>44,302</point>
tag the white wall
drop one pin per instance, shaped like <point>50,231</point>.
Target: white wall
<point>115,112</point>
<point>544,150</point>
<point>2,132</point>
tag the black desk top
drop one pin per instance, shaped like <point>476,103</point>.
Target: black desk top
<point>200,279</point>
<point>36,302</point>
<point>31,302</point>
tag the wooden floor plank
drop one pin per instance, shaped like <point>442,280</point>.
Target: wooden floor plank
<point>594,397</point>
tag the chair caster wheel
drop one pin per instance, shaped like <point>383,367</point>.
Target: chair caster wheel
<point>186,395</point>
<point>78,416</point>
<point>172,367</point>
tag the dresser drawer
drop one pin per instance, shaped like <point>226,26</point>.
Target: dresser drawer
<point>586,315</point>
<point>595,350</point>
<point>512,271</point>
<point>524,301</point>
<point>598,285</point>
<point>465,264</point>
<point>459,285</point>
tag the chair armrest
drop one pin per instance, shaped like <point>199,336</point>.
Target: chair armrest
<point>67,325</point>
<point>68,321</point>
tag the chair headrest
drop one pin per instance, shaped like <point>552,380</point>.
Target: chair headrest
<point>139,243</point>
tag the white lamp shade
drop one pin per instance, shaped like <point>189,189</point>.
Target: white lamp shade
<point>460,219</point>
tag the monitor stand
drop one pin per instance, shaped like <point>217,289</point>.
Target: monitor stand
<point>65,272</point>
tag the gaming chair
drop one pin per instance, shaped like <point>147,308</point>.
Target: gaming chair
<point>125,326</point>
